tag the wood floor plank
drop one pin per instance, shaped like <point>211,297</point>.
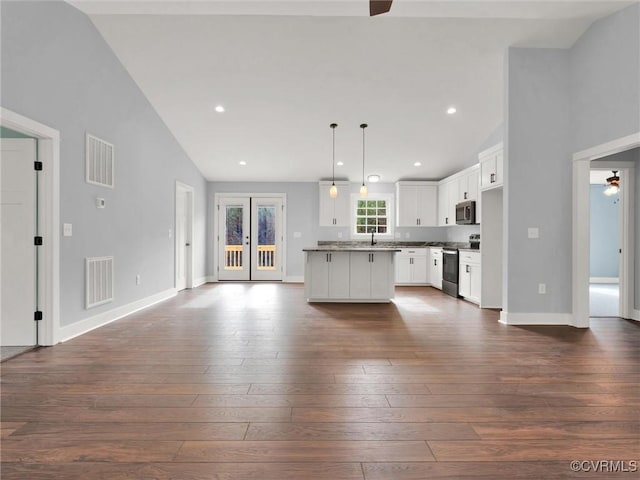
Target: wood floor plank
<point>182,471</point>
<point>338,389</point>
<point>534,450</point>
<point>29,450</point>
<point>116,400</point>
<point>133,431</point>
<point>360,431</point>
<point>291,401</point>
<point>310,451</point>
<point>549,430</point>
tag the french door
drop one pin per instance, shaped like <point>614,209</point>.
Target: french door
<point>250,245</point>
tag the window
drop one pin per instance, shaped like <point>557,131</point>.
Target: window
<point>372,214</point>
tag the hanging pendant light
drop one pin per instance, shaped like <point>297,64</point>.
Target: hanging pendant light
<point>613,184</point>
<point>363,188</point>
<point>333,191</point>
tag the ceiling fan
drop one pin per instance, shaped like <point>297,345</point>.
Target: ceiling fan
<point>378,7</point>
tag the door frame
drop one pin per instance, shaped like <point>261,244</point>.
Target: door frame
<point>189,192</point>
<point>216,227</point>
<point>48,141</point>
<point>581,225</point>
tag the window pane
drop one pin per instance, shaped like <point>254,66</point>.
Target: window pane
<point>382,204</point>
<point>382,221</point>
<point>361,229</point>
<point>362,204</point>
<point>362,211</point>
<point>371,212</point>
<point>371,221</point>
<point>371,204</point>
<point>361,221</point>
<point>382,212</point>
<point>234,226</point>
<point>382,230</point>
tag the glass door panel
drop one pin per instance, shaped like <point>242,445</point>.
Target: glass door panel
<point>266,228</point>
<point>233,221</point>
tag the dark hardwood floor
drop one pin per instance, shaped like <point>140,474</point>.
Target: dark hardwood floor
<point>248,381</point>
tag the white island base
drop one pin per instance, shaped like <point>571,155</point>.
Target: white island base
<point>357,275</point>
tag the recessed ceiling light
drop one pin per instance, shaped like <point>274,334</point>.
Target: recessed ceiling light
<point>340,164</point>
<point>417,164</point>
<point>242,162</point>
<point>373,178</point>
<point>451,110</point>
<point>219,109</point>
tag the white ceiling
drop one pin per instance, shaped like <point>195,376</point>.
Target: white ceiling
<point>284,77</point>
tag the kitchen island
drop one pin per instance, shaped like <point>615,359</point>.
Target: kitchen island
<point>349,274</point>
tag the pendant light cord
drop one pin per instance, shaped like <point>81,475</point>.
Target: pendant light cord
<point>363,126</point>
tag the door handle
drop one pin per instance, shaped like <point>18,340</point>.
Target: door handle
<point>187,244</point>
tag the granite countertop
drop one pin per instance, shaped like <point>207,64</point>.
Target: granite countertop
<point>469,249</point>
<point>352,248</point>
<point>342,245</point>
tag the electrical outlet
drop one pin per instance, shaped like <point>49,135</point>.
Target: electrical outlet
<point>407,235</point>
<point>137,279</point>
<point>339,234</point>
<point>533,232</point>
<point>67,229</point>
<point>542,288</point>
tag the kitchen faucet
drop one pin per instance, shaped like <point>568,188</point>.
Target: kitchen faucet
<point>372,242</point>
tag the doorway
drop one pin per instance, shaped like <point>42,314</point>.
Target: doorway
<point>19,200</point>
<point>605,251</point>
<point>184,236</point>
<point>250,237</point>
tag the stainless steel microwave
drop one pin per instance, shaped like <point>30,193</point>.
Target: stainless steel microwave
<point>466,213</point>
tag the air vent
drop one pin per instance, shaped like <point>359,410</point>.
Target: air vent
<point>100,162</point>
<point>99,281</point>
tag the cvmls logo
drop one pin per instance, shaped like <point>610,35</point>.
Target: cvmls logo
<point>605,466</point>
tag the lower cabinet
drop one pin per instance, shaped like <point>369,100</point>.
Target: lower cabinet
<point>328,275</point>
<point>435,267</point>
<point>411,267</point>
<point>469,276</point>
<point>349,276</point>
<point>370,275</point>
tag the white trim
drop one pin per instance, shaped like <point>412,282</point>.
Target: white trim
<point>190,193</point>
<point>604,280</point>
<point>198,282</point>
<point>294,279</point>
<point>453,177</point>
<point>635,315</point>
<point>508,318</point>
<point>391,216</point>
<point>581,220</point>
<point>68,332</point>
<point>49,154</point>
<point>491,150</point>
<point>610,148</point>
<point>212,279</point>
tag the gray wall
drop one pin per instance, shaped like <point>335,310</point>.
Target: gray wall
<point>537,181</point>
<point>637,239</point>
<point>58,70</point>
<point>605,79</point>
<point>559,102</point>
<point>605,236</point>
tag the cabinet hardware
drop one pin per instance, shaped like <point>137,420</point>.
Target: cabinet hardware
<point>446,220</point>
<point>467,269</point>
<point>493,178</point>
<point>466,195</point>
<point>435,262</point>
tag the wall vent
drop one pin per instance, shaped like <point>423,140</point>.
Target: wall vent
<point>99,281</point>
<point>99,162</point>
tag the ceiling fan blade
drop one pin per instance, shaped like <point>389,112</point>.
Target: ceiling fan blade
<point>377,7</point>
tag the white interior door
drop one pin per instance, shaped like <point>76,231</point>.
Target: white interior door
<point>18,228</point>
<point>183,238</point>
<point>266,239</point>
<point>234,237</point>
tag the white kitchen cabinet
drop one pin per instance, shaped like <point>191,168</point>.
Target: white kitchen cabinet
<point>327,275</point>
<point>491,167</point>
<point>411,266</point>
<point>416,204</point>
<point>444,210</point>
<point>334,212</point>
<point>468,185</point>
<point>469,276</point>
<point>372,276</point>
<point>435,267</point>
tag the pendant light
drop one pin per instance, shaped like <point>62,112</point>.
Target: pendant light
<point>363,188</point>
<point>613,184</point>
<point>333,191</point>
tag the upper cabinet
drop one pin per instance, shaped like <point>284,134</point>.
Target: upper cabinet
<point>491,167</point>
<point>460,187</point>
<point>416,204</point>
<point>334,212</point>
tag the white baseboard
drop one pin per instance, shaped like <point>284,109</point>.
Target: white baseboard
<point>200,281</point>
<point>294,279</point>
<point>212,279</point>
<point>604,280</point>
<point>635,315</point>
<point>536,318</point>
<point>68,332</point>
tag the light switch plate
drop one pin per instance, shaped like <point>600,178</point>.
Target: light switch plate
<point>67,229</point>
<point>533,232</point>
<point>100,203</point>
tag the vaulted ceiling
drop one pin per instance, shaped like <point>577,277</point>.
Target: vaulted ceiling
<point>285,70</point>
